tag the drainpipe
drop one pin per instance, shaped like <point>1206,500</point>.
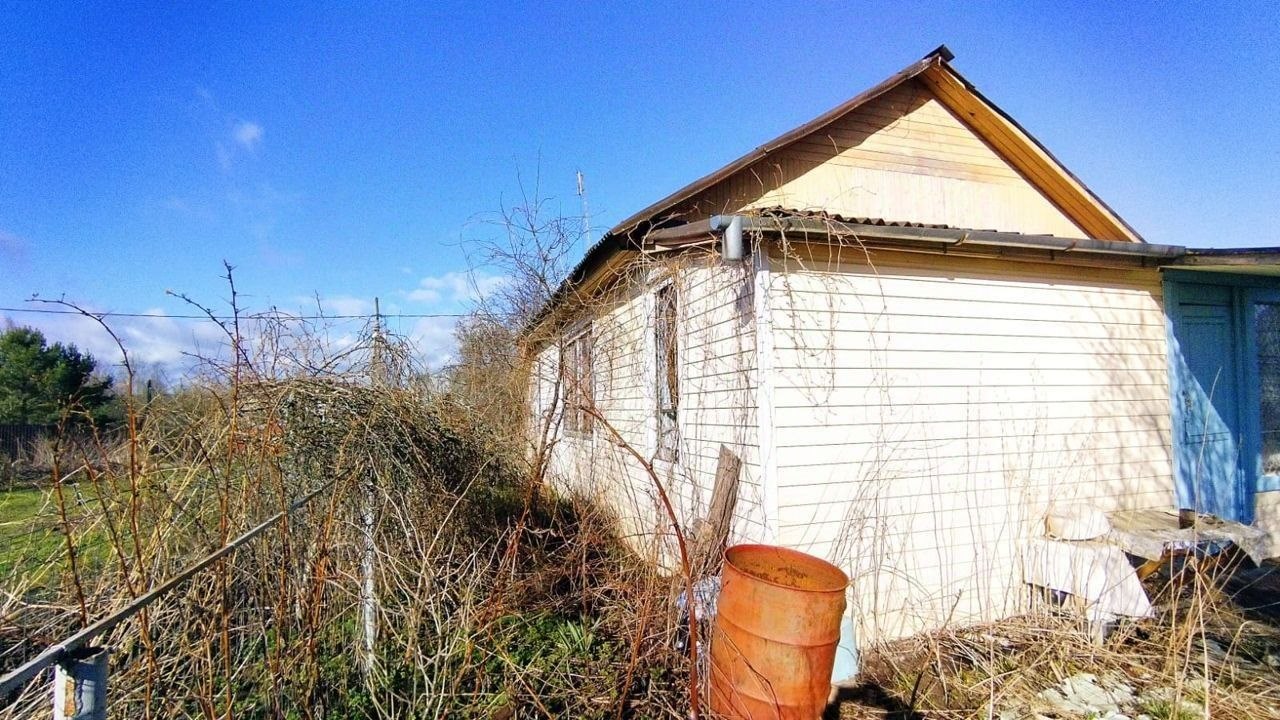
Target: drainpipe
<point>731,248</point>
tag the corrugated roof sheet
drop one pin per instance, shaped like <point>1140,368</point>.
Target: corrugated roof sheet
<point>782,212</point>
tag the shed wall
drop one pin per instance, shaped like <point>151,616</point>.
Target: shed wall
<point>717,401</point>
<point>931,409</point>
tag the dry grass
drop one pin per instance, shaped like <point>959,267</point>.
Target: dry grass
<point>1201,656</point>
<point>493,597</point>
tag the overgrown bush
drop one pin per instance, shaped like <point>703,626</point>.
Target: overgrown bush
<point>492,597</point>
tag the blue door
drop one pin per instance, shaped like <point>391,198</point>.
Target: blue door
<point>1205,357</point>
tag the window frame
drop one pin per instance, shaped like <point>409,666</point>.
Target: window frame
<point>1254,444</point>
<point>666,444</point>
<point>577,381</point>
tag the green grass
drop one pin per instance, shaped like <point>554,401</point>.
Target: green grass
<point>33,547</point>
<point>29,537</point>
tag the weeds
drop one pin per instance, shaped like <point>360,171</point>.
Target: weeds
<point>1201,656</point>
<point>493,598</point>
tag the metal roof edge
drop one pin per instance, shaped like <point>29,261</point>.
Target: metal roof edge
<point>1227,257</point>
<point>962,236</point>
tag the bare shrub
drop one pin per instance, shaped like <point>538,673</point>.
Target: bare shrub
<point>492,595</point>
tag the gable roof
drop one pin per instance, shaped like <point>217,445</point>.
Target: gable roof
<point>988,121</point>
<point>983,117</point>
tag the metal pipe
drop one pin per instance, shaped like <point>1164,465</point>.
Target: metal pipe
<point>80,685</point>
<point>732,247</point>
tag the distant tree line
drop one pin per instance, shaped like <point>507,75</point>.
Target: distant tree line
<point>44,384</point>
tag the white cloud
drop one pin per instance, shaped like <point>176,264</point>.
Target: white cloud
<point>338,305</point>
<point>248,134</point>
<point>174,345</point>
<point>164,340</point>
<point>243,138</point>
<point>455,287</point>
<point>433,340</point>
<point>453,292</point>
<point>160,341</point>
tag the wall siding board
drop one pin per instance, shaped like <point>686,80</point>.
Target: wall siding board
<point>717,353</point>
<point>903,156</point>
<point>930,411</point>
<point>899,400</point>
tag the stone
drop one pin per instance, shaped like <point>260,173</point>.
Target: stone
<point>1084,694</point>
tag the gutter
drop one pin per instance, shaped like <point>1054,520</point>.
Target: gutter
<point>944,240</point>
<point>1231,257</point>
<point>728,229</point>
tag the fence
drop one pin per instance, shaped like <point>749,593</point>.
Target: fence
<point>81,676</point>
<point>16,437</point>
<point>110,543</point>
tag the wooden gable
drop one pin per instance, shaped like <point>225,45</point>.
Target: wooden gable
<point>904,156</point>
<point>924,146</point>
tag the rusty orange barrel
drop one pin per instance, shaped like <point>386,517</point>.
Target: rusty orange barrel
<point>776,630</point>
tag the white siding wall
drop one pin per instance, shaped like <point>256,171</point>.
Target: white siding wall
<point>591,465</point>
<point>717,401</point>
<point>930,410</point>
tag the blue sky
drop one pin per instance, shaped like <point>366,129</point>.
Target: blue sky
<point>349,152</point>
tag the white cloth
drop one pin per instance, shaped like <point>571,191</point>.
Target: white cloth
<point>1076,522</point>
<point>1093,570</point>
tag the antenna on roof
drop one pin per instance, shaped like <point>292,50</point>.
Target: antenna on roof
<point>586,214</point>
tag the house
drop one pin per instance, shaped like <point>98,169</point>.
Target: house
<point>920,333</point>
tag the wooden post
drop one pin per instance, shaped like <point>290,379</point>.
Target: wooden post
<point>80,685</point>
<point>709,544</point>
<point>368,599</point>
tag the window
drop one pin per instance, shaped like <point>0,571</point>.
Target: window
<point>579,385</point>
<point>1266,318</point>
<point>667,357</point>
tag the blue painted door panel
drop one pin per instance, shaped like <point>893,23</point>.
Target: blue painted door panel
<point>1206,383</point>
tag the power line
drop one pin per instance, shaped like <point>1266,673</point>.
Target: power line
<point>263,316</point>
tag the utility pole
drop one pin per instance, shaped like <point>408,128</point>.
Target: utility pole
<point>368,599</point>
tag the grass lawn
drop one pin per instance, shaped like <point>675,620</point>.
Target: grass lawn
<point>33,547</point>
<point>29,536</point>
